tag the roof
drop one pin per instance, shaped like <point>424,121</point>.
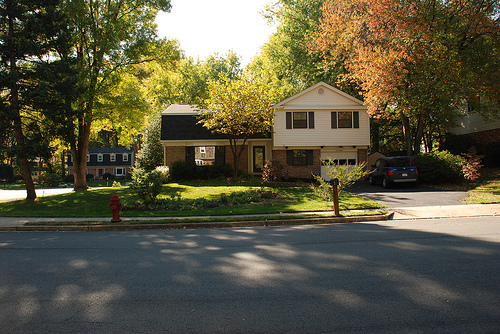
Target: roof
<point>321,96</point>
<point>181,109</point>
<point>185,127</point>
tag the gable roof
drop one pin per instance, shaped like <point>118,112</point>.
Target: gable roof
<point>321,96</point>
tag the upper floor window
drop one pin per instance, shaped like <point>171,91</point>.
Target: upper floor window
<point>345,119</point>
<point>112,157</point>
<point>99,158</point>
<point>88,157</point>
<point>300,120</point>
<point>125,157</point>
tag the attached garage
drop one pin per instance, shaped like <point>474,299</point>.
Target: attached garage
<point>338,157</point>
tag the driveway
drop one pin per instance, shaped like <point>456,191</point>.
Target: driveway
<point>9,195</point>
<point>404,196</point>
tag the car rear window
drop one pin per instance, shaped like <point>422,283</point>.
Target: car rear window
<point>403,162</point>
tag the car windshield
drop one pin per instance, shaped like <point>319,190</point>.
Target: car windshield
<point>402,162</point>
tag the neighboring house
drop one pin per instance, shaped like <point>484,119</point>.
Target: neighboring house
<point>316,124</point>
<point>477,128</point>
<point>116,161</point>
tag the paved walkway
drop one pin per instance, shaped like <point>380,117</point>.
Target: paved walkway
<point>429,212</point>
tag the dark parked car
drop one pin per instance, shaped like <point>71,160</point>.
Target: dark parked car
<point>390,170</point>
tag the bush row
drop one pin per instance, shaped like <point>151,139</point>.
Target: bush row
<point>179,204</point>
<point>187,171</point>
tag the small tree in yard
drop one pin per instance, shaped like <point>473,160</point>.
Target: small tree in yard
<point>346,174</point>
<point>147,183</point>
<point>238,108</point>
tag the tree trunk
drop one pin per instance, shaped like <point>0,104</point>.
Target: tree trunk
<point>18,127</point>
<point>80,152</point>
<point>419,134</point>
<point>407,132</point>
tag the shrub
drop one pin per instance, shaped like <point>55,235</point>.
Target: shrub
<point>439,166</point>
<point>164,172</point>
<point>116,184</point>
<point>7,173</point>
<point>108,176</point>
<point>346,174</point>
<point>273,171</point>
<point>471,165</point>
<point>69,178</point>
<point>49,180</point>
<point>148,184</point>
<point>182,171</point>
<point>492,154</point>
<point>89,177</point>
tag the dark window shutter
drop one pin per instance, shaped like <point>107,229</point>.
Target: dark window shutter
<point>220,155</point>
<point>334,119</point>
<point>311,120</point>
<point>288,120</point>
<point>309,154</point>
<point>355,118</point>
<point>289,158</point>
<point>190,154</point>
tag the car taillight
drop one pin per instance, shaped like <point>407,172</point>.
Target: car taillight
<point>416,171</point>
<point>391,173</point>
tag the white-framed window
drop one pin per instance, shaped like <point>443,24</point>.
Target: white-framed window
<point>88,157</point>
<point>345,119</point>
<point>99,157</point>
<point>112,157</point>
<point>119,171</point>
<point>125,156</point>
<point>300,119</point>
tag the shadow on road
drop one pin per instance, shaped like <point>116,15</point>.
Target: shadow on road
<point>302,279</point>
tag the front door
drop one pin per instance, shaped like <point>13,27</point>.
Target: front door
<point>259,154</point>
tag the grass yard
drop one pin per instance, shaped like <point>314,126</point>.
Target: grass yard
<point>95,202</point>
<point>486,190</point>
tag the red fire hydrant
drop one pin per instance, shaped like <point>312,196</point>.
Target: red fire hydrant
<point>115,208</point>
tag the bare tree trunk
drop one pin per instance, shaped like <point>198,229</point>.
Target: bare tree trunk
<point>18,127</point>
<point>80,152</point>
<point>419,134</point>
<point>407,132</point>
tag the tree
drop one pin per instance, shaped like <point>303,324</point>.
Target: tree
<point>291,65</point>
<point>238,108</point>
<point>110,35</point>
<point>150,154</point>
<point>33,33</point>
<point>425,59</point>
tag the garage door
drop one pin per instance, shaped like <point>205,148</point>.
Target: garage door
<point>340,158</point>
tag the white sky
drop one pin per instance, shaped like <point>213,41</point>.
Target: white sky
<point>205,27</point>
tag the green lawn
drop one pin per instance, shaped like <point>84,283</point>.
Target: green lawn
<point>95,202</point>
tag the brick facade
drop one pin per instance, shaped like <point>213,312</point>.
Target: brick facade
<point>243,164</point>
<point>175,153</point>
<point>301,172</point>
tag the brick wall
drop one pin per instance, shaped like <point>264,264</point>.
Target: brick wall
<point>302,172</point>
<point>175,153</point>
<point>486,137</point>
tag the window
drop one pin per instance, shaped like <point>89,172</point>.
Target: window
<point>345,119</point>
<point>88,157</point>
<point>99,158</point>
<point>299,157</point>
<point>119,171</point>
<point>112,157</point>
<point>125,157</point>
<point>203,150</point>
<point>300,120</point>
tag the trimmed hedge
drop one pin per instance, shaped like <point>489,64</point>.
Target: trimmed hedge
<point>439,166</point>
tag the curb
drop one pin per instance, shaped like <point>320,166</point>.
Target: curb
<point>193,225</point>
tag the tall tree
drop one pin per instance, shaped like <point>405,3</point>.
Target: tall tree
<point>150,154</point>
<point>424,58</point>
<point>238,108</point>
<point>30,31</point>
<point>286,57</point>
<point>109,35</point>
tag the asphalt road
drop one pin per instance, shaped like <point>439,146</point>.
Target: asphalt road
<point>422,276</point>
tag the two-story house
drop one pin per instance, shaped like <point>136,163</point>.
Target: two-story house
<point>316,124</point>
<point>116,161</point>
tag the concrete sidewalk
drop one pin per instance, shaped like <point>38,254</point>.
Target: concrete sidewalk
<point>429,212</point>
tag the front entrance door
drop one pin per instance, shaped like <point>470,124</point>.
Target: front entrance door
<point>259,155</point>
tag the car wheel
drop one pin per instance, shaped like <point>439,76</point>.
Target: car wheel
<point>385,182</point>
